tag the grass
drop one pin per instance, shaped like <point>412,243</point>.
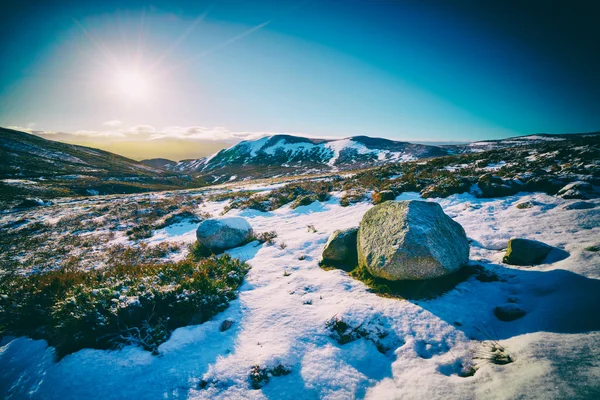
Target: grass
<point>139,304</point>
<point>423,289</point>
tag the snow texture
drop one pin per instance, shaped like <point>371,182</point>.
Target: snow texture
<point>280,319</point>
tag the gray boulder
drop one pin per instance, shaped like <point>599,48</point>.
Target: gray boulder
<point>341,248</point>
<point>577,190</point>
<point>526,252</point>
<point>410,240</point>
<point>220,234</point>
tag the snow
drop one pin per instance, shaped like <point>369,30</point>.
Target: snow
<point>337,146</point>
<point>181,232</point>
<point>555,346</point>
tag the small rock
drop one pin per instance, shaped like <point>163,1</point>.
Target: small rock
<point>579,205</point>
<point>226,325</point>
<point>494,186</point>
<point>577,190</point>
<point>30,203</point>
<point>526,252</point>
<point>509,312</point>
<point>524,205</point>
<point>341,248</point>
<point>381,196</point>
<point>305,200</point>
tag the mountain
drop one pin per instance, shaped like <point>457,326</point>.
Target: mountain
<point>34,166</point>
<point>288,155</point>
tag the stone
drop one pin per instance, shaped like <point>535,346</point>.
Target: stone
<point>379,197</point>
<point>577,190</point>
<point>509,312</point>
<point>220,234</point>
<point>524,205</point>
<point>411,240</point>
<point>226,325</point>
<point>341,248</point>
<point>526,252</point>
<point>494,186</point>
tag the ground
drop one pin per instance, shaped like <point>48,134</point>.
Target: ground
<point>410,349</point>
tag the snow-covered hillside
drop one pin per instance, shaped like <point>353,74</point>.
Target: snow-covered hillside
<point>283,154</point>
<point>281,314</point>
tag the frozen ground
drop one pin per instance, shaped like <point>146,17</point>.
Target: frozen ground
<point>282,309</point>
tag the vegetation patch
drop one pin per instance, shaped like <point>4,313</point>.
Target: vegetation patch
<point>259,377</point>
<point>423,289</point>
<point>301,193</point>
<point>344,333</point>
<point>122,304</point>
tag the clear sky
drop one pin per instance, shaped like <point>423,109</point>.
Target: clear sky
<point>119,72</point>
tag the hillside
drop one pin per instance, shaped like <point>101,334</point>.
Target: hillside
<point>34,166</point>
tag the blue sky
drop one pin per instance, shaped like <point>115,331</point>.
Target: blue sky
<point>228,70</point>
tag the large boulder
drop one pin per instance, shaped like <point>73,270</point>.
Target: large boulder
<point>341,248</point>
<point>526,252</point>
<point>410,240</point>
<point>220,234</point>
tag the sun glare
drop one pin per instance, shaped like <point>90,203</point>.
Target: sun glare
<point>132,84</point>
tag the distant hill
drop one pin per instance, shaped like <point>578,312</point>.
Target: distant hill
<point>161,163</point>
<point>34,166</point>
<point>289,155</point>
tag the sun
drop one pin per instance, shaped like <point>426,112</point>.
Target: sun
<point>132,84</point>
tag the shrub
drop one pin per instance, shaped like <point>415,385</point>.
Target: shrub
<point>139,232</point>
<point>261,376</point>
<point>266,237</point>
<point>118,305</point>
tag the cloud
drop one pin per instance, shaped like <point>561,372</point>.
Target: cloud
<point>97,133</point>
<point>140,129</point>
<point>145,132</point>
<point>113,123</point>
<point>216,134</point>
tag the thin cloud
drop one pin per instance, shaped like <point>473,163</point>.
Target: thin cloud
<point>113,123</point>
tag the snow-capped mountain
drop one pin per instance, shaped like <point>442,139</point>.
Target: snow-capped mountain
<point>284,154</point>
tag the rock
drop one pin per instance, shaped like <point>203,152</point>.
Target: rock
<point>304,200</point>
<point>446,187</point>
<point>524,205</point>
<point>494,186</point>
<point>543,184</point>
<point>577,190</point>
<point>579,205</point>
<point>226,325</point>
<point>410,240</point>
<point>526,252</point>
<point>30,203</point>
<point>220,234</point>
<point>341,248</point>
<point>384,195</point>
<point>509,312</point>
